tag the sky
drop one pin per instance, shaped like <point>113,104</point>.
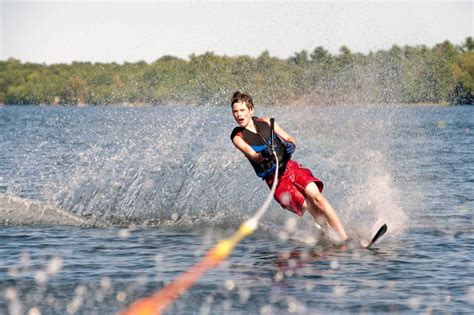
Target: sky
<point>130,31</point>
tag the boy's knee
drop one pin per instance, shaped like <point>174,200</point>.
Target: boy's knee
<point>318,199</point>
<point>314,194</point>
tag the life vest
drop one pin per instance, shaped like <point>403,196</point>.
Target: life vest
<point>260,141</point>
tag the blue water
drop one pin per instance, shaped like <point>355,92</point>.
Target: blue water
<point>169,184</point>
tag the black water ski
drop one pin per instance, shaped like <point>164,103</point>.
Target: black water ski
<point>379,234</point>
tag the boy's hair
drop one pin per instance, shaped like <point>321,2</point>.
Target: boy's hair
<point>242,97</point>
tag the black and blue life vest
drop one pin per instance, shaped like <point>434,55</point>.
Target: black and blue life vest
<point>260,141</point>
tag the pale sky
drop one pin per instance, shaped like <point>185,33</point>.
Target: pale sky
<point>105,31</point>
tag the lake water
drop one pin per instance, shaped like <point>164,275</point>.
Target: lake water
<point>101,206</point>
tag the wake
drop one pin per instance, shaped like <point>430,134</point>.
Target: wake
<point>15,210</point>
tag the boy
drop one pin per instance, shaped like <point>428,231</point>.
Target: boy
<point>297,190</point>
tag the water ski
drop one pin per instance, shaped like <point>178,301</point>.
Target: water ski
<point>379,234</point>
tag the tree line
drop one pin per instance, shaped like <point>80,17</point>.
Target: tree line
<point>443,73</point>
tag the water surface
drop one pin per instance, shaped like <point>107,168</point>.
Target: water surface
<point>165,183</point>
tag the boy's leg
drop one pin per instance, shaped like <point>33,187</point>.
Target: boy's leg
<point>318,205</point>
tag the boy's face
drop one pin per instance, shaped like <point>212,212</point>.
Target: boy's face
<point>242,114</point>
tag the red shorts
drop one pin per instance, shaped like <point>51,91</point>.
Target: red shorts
<point>291,186</point>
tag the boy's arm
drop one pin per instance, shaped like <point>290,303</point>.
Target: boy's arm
<point>247,149</point>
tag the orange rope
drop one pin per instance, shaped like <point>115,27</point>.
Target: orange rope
<point>157,302</point>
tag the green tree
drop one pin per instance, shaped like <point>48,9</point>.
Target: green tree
<point>75,91</point>
<point>300,58</point>
<point>468,45</point>
<point>463,72</point>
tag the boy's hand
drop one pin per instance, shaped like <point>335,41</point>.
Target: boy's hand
<point>266,153</point>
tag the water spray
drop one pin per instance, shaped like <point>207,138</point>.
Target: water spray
<point>157,302</point>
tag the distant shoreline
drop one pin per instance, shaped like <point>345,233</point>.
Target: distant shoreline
<point>400,75</point>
